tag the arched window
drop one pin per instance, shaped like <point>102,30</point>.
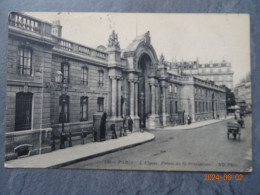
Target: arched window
<point>25,61</point>
<point>23,111</point>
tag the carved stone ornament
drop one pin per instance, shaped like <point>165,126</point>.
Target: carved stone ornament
<point>113,40</point>
<point>147,39</point>
<point>162,59</point>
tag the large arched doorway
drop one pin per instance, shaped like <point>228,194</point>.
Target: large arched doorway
<point>144,90</point>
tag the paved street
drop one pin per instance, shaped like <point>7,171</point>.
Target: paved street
<point>203,149</point>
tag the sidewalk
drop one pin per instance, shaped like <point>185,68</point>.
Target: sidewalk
<point>76,153</point>
<point>195,124</point>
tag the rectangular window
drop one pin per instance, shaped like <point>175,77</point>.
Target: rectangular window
<point>84,108</point>
<point>171,107</point>
<point>100,103</point>
<point>64,103</point>
<point>23,111</point>
<point>100,78</point>
<point>25,61</point>
<point>176,107</point>
<point>65,72</point>
<point>84,76</point>
<point>196,107</point>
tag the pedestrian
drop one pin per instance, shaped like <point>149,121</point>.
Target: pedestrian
<point>130,124</point>
<point>189,120</point>
<point>114,135</point>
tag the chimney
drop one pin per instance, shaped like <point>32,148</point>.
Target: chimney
<point>56,28</point>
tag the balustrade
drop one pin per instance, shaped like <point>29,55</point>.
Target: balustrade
<point>29,24</point>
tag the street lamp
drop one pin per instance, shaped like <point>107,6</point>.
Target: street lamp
<point>59,81</point>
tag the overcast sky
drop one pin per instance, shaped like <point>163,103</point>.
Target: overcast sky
<point>208,37</point>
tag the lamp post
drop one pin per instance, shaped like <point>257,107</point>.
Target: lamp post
<point>59,81</point>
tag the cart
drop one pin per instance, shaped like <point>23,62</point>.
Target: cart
<point>241,122</point>
<point>234,129</point>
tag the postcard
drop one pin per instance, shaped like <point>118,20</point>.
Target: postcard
<point>129,91</point>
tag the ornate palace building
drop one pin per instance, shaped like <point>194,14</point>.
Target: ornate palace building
<point>221,73</point>
<point>131,83</point>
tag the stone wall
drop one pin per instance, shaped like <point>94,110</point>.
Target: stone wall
<point>36,141</point>
<point>76,89</point>
<point>41,68</point>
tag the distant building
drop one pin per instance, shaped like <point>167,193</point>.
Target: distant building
<point>243,95</point>
<point>221,73</point>
<point>131,82</point>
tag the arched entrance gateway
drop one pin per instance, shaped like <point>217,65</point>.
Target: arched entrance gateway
<point>144,86</point>
<point>143,63</point>
<point>144,91</point>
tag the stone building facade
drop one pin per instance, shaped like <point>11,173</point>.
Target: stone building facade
<point>243,95</point>
<point>221,73</point>
<point>131,83</point>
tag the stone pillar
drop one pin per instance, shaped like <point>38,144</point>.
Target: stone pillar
<point>156,100</point>
<point>153,99</point>
<point>136,98</point>
<point>163,101</point>
<point>132,97</point>
<point>165,116</point>
<point>114,96</point>
<point>153,118</point>
<point>119,97</point>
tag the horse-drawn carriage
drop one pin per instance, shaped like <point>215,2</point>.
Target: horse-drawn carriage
<point>234,129</point>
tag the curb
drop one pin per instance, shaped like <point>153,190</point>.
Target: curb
<point>60,165</point>
<point>191,128</point>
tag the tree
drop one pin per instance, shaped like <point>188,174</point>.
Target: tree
<point>230,97</point>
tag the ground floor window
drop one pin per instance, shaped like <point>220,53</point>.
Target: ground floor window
<point>23,111</point>
<point>64,101</point>
<point>84,108</point>
<point>171,107</point>
<point>100,103</point>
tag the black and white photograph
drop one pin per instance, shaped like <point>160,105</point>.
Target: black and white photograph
<point>128,91</point>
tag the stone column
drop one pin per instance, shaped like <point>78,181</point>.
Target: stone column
<point>113,96</point>
<point>132,97</point>
<point>164,100</point>
<point>119,97</point>
<point>153,99</point>
<point>156,100</point>
<point>136,98</point>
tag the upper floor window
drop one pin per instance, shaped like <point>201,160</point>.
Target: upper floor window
<point>65,72</point>
<point>170,88</point>
<point>84,76</point>
<point>84,108</point>
<point>25,61</point>
<point>100,78</point>
<point>100,103</point>
<point>175,89</point>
